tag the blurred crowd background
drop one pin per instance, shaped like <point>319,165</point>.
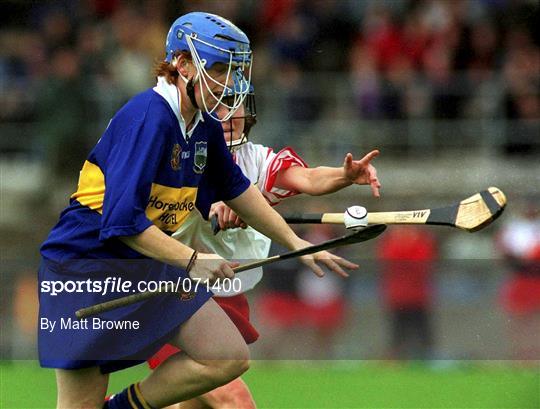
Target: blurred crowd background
<point>449,91</point>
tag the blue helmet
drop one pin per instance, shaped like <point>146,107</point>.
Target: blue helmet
<point>217,39</point>
<point>211,39</point>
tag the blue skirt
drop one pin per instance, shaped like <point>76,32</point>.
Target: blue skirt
<point>116,339</point>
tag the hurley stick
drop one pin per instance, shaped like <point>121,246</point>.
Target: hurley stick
<point>362,235</point>
<point>471,214</point>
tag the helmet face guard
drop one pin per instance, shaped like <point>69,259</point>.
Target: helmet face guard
<point>250,119</point>
<point>211,39</point>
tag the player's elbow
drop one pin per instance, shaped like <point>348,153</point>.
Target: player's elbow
<point>310,186</point>
<point>315,183</point>
<point>313,188</point>
<point>315,192</point>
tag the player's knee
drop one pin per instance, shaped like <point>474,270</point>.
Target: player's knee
<point>234,368</point>
<point>225,371</point>
<point>239,362</point>
<point>240,367</point>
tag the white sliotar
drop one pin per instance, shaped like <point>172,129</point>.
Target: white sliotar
<point>355,217</point>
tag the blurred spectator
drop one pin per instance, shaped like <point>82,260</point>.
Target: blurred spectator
<point>382,37</point>
<point>519,242</point>
<point>327,53</point>
<point>293,39</point>
<point>522,99</point>
<point>366,83</point>
<point>445,90</point>
<point>411,61</point>
<point>130,67</point>
<point>64,110</point>
<point>407,254</point>
<point>26,306</point>
<point>483,58</point>
<point>279,309</point>
<point>23,63</point>
<point>322,299</point>
<point>302,104</point>
<point>57,30</point>
<point>298,301</point>
<point>91,43</point>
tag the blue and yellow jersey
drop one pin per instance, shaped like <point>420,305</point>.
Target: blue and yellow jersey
<point>143,171</point>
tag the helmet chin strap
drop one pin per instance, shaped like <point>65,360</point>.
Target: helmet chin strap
<point>190,88</point>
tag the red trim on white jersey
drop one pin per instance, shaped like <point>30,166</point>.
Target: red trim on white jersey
<point>282,160</point>
<point>261,165</point>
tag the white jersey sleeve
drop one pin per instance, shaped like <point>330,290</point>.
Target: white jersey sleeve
<point>261,166</point>
<point>270,164</point>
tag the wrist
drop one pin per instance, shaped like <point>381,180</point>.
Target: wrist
<point>345,179</point>
<point>300,243</point>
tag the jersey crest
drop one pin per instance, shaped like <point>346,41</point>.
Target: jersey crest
<point>199,162</point>
<point>175,157</point>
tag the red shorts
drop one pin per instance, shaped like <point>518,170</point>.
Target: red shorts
<point>237,308</point>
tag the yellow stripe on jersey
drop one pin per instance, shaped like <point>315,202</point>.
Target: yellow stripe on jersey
<point>168,207</point>
<point>91,187</point>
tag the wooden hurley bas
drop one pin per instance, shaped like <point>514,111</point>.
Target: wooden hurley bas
<point>471,214</point>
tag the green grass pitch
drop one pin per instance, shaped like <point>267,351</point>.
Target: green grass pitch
<point>329,385</point>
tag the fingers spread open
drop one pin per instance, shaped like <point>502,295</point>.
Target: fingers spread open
<point>370,156</point>
<point>348,160</point>
<point>314,267</point>
<point>375,186</point>
<point>334,266</point>
<point>374,181</point>
<point>345,263</point>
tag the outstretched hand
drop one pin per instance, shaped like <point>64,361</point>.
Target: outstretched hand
<point>362,172</point>
<point>334,263</point>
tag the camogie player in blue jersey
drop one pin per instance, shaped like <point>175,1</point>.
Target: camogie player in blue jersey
<point>161,157</point>
<point>278,175</point>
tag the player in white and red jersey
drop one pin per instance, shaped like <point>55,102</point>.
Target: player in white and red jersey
<point>278,175</point>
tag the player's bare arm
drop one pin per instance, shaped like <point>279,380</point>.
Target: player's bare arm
<point>313,181</point>
<point>153,243</point>
<point>323,180</point>
<point>255,211</point>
